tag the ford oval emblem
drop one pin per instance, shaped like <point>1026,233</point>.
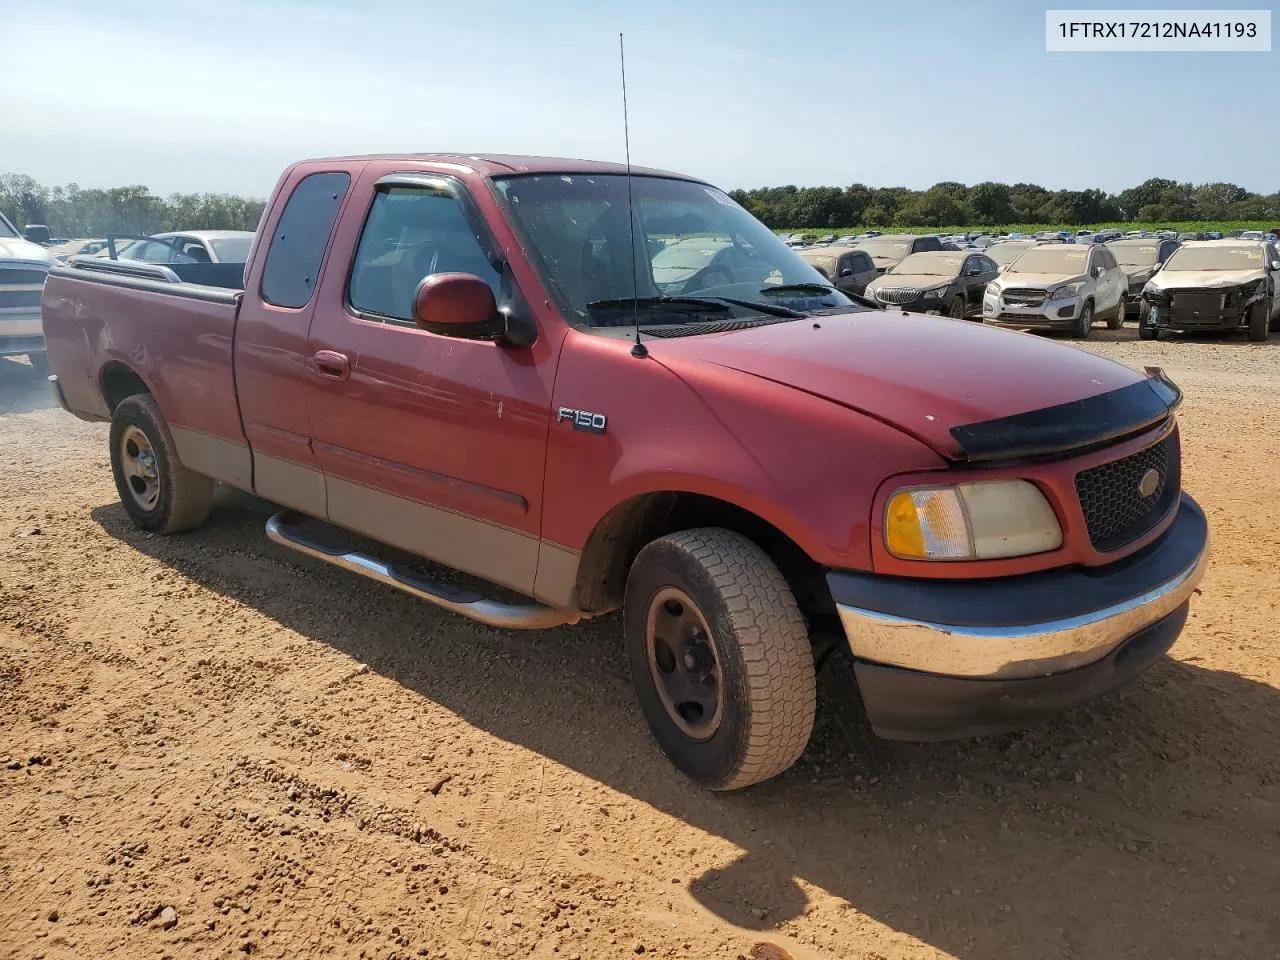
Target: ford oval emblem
<point>1149,483</point>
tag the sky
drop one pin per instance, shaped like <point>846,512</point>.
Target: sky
<point>219,95</point>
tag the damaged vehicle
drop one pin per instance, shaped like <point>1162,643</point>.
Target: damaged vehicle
<point>950,283</point>
<point>1214,285</point>
<point>1058,287</point>
<point>1140,259</point>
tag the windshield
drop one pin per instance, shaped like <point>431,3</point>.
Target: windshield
<point>691,240</point>
<point>1226,257</point>
<point>930,265</point>
<point>6,228</point>
<point>1053,258</point>
<point>886,248</point>
<point>231,249</point>
<point>1006,252</point>
<point>1135,254</point>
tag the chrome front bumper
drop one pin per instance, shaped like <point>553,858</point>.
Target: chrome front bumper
<point>995,633</point>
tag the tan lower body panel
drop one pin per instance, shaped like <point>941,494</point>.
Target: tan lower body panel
<point>556,583</point>
<point>498,554</point>
<point>289,484</point>
<point>223,460</point>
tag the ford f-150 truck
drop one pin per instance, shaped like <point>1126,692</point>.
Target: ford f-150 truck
<point>471,359</point>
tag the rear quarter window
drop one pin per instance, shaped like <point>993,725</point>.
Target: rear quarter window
<point>300,239</point>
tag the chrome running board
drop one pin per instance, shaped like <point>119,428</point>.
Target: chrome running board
<point>494,613</point>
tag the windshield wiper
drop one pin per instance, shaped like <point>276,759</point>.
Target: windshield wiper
<point>717,304</point>
<point>691,303</point>
<point>818,289</point>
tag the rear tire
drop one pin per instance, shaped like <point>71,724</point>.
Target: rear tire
<point>156,490</point>
<point>1084,324</point>
<point>1259,321</point>
<point>709,603</point>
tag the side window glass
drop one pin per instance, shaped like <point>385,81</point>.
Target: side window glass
<point>412,233</point>
<point>863,263</point>
<point>301,238</point>
<point>844,266</point>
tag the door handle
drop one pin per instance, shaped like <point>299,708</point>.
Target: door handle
<point>331,365</point>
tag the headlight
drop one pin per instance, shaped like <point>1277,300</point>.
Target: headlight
<point>993,289</point>
<point>934,293</point>
<point>970,521</point>
<point>1065,292</point>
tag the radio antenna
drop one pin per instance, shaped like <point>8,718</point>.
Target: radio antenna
<point>638,349</point>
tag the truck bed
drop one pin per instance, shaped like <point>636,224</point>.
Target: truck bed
<point>157,320</point>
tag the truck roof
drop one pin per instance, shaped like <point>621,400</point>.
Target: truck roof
<point>497,165</point>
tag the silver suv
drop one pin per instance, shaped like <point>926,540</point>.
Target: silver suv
<point>1058,286</point>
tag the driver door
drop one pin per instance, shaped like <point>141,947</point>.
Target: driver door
<point>432,444</point>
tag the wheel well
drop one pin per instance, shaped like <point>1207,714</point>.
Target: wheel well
<point>120,383</point>
<point>625,530</point>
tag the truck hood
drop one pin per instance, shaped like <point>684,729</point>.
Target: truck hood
<point>14,248</point>
<point>927,376</point>
<point>1204,279</point>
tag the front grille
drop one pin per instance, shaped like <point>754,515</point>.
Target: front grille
<point>1024,298</point>
<point>20,276</point>
<point>19,298</point>
<point>898,294</point>
<point>1115,511</point>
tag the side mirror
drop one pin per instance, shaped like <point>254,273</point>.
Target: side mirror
<point>846,272</point>
<point>458,305</point>
<point>973,272</point>
<point>1275,264</point>
<point>1098,271</point>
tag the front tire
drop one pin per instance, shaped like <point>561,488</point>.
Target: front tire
<point>1259,321</point>
<point>1116,322</point>
<point>720,657</point>
<point>156,490</point>
<point>956,310</point>
<point>1084,323</point>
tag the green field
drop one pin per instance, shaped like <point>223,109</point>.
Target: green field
<point>1181,226</point>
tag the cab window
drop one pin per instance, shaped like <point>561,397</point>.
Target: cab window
<point>413,232</point>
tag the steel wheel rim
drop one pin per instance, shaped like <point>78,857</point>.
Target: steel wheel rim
<point>684,663</point>
<point>138,464</point>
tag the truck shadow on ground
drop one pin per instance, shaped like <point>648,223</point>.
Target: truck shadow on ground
<point>1145,825</point>
<point>22,390</point>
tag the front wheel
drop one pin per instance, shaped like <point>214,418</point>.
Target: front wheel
<point>956,310</point>
<point>720,657</point>
<point>1116,322</point>
<point>1084,323</point>
<point>1259,321</point>
<point>156,490</point>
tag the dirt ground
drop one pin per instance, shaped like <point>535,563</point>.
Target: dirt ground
<point>210,747</point>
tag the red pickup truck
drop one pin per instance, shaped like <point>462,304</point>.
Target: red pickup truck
<point>474,359</point>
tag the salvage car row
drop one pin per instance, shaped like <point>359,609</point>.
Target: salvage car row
<point>1200,285</point>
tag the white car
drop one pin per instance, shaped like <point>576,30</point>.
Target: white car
<point>1054,286</point>
<point>1214,285</point>
<point>23,266</point>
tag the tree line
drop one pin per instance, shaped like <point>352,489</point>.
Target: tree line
<point>999,204</point>
<point>71,211</point>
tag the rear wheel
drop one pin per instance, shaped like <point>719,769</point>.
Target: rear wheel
<point>1084,323</point>
<point>720,657</point>
<point>156,490</point>
<point>1259,321</point>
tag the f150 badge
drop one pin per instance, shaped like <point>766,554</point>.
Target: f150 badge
<point>583,419</point>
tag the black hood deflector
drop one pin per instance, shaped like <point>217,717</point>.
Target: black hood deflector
<point>1068,427</point>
